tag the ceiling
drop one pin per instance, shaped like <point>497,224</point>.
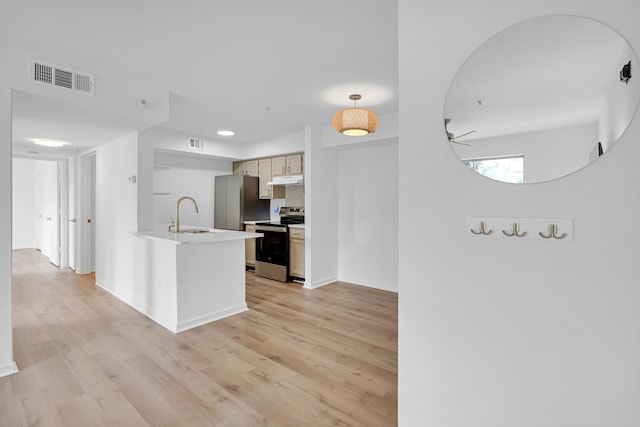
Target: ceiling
<point>260,68</point>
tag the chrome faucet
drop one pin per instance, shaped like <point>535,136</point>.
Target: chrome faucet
<point>195,205</point>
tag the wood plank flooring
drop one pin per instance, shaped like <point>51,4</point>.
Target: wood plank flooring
<point>298,357</point>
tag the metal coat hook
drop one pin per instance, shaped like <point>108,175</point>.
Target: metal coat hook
<point>483,229</point>
<point>515,231</point>
<point>553,232</point>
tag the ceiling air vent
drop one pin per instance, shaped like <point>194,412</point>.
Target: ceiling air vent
<point>196,143</point>
<point>53,75</point>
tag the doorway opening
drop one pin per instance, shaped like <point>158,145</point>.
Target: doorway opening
<point>53,209</point>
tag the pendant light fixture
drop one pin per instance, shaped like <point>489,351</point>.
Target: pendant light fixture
<point>355,121</point>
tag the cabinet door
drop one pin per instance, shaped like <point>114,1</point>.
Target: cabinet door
<point>268,191</point>
<point>294,164</point>
<point>264,174</point>
<point>250,247</point>
<point>279,166</point>
<point>296,258</point>
<point>239,168</point>
<point>251,167</point>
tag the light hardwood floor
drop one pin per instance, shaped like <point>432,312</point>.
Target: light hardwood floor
<point>297,358</point>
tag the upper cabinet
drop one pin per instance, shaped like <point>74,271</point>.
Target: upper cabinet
<point>287,165</point>
<point>268,191</point>
<point>294,164</point>
<point>239,168</point>
<point>252,168</point>
<point>278,166</point>
<point>266,168</point>
<point>249,167</point>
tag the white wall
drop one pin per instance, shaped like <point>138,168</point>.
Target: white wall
<point>621,103</point>
<point>166,139</point>
<point>502,332</point>
<point>368,220</point>
<point>117,214</point>
<point>186,176</point>
<point>23,206</point>
<point>7,365</point>
<point>289,143</point>
<point>548,154</point>
<point>124,261</point>
<point>321,211</point>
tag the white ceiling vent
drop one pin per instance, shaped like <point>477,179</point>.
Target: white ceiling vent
<point>40,72</point>
<point>196,143</point>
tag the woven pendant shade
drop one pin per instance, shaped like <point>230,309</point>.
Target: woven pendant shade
<point>355,121</point>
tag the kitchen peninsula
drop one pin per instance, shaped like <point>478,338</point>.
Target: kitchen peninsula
<point>193,277</point>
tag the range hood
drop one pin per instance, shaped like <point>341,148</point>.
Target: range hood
<point>287,180</point>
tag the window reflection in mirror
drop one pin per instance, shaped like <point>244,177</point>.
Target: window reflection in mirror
<point>548,90</point>
<point>505,169</point>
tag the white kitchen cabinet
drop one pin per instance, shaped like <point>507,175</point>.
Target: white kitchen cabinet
<point>296,252</point>
<point>250,247</point>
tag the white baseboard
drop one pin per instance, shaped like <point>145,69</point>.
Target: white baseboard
<point>320,283</point>
<point>139,308</point>
<point>370,284</point>
<point>210,317</point>
<point>185,324</point>
<point>8,369</point>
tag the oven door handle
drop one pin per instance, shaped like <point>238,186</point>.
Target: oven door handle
<point>270,228</point>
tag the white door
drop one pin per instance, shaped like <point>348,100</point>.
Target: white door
<point>47,210</point>
<point>71,199</point>
<point>92,213</point>
<point>51,209</point>
<point>85,202</point>
<point>38,204</point>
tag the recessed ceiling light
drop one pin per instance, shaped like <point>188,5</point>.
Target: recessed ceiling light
<point>49,142</point>
<point>226,132</point>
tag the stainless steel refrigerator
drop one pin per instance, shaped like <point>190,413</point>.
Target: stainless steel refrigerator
<point>236,201</point>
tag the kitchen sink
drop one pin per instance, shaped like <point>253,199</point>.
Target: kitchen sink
<point>197,230</point>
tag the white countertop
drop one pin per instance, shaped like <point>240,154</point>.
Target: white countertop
<point>212,236</point>
<point>296,225</point>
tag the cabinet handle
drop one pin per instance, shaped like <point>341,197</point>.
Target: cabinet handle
<point>73,220</point>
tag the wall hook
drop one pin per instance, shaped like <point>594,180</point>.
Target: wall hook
<point>483,229</point>
<point>553,232</point>
<point>515,231</point>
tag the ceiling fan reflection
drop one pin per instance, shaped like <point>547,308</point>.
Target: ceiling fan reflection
<point>454,138</point>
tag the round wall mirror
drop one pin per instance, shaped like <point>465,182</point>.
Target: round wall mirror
<point>542,99</point>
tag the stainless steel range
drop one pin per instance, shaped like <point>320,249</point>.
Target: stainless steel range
<point>289,215</point>
<point>272,250</point>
